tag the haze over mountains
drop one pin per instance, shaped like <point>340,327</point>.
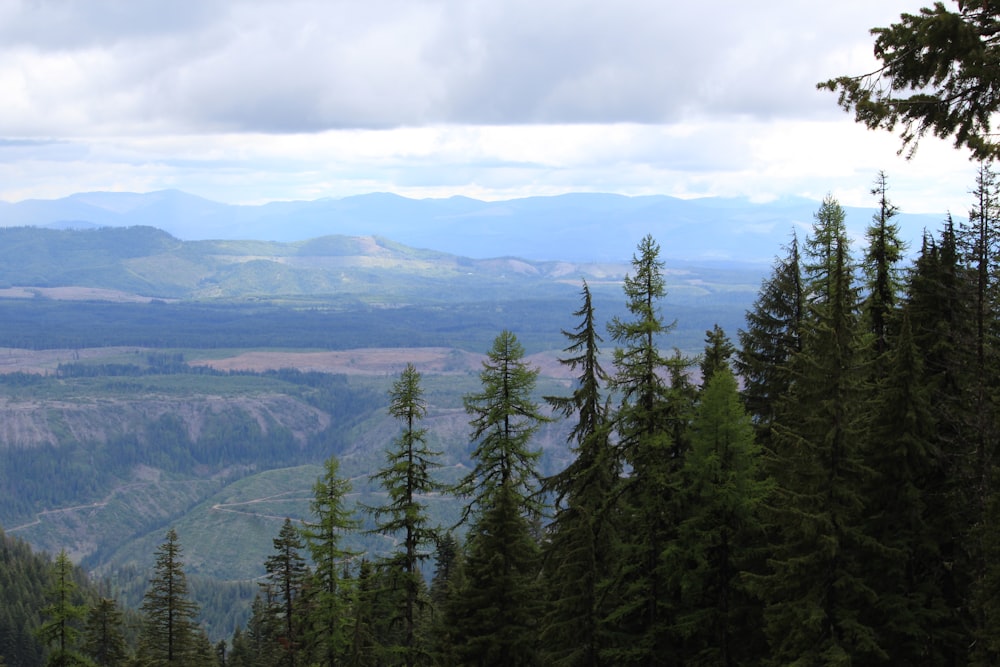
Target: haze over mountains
<point>583,227</point>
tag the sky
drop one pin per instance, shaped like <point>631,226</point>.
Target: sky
<point>252,101</point>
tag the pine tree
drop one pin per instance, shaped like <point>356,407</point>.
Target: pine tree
<point>103,637</point>
<point>500,601</point>
<point>882,280</point>
<point>62,615</point>
<point>772,337</point>
<point>938,304</point>
<point>817,590</point>
<point>978,241</point>
<point>719,537</point>
<point>640,618</point>
<point>364,649</point>
<point>405,479</point>
<point>327,628</point>
<point>286,575</point>
<point>718,351</point>
<point>581,535</point>
<point>445,591</point>
<point>168,633</point>
<point>907,572</point>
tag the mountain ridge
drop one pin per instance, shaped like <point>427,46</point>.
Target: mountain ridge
<point>579,227</point>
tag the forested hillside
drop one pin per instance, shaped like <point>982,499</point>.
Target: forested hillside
<point>817,489</point>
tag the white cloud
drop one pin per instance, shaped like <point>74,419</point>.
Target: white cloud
<point>281,99</point>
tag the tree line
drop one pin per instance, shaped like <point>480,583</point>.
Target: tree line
<point>821,493</point>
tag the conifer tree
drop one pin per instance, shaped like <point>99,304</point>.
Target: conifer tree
<point>978,241</point>
<point>907,571</point>
<point>446,587</point>
<point>500,600</point>
<point>720,534</point>
<point>286,574</point>
<point>640,619</point>
<point>60,628</point>
<point>773,335</point>
<point>882,280</point>
<point>364,650</point>
<point>718,351</point>
<point>817,590</point>
<point>406,479</point>
<point>326,633</point>
<point>938,305</point>
<point>581,535</point>
<point>169,632</point>
<point>103,638</point>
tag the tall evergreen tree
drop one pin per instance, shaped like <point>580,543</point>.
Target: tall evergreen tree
<point>168,632</point>
<point>938,304</point>
<point>446,587</point>
<point>286,574</point>
<point>62,615</point>
<point>883,283</point>
<point>720,534</point>
<point>406,479</point>
<point>718,351</point>
<point>773,335</point>
<point>907,571</point>
<point>581,535</point>
<point>104,641</point>
<point>640,619</point>
<point>500,602</point>
<point>326,633</point>
<point>817,589</point>
<point>979,240</point>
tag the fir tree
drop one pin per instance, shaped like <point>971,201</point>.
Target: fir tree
<point>327,628</point>
<point>773,335</point>
<point>500,601</point>
<point>938,305</point>
<point>103,638</point>
<point>581,535</point>
<point>286,574</point>
<point>721,490</point>
<point>907,572</point>
<point>882,280</point>
<point>446,586</point>
<point>60,628</point>
<point>718,351</point>
<point>817,590</point>
<point>640,618</point>
<point>406,479</point>
<point>169,632</point>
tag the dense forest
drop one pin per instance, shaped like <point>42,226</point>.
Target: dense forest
<point>818,491</point>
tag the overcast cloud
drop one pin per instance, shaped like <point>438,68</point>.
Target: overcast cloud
<point>249,101</point>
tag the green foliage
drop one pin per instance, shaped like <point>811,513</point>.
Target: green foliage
<point>326,631</point>
<point>937,73</point>
<point>720,534</point>
<point>817,588</point>
<point>104,640</point>
<point>406,479</point>
<point>581,536</point>
<point>60,630</point>
<point>169,633</point>
<point>286,578</point>
<point>499,603</point>
<point>640,599</point>
<point>883,283</point>
<point>771,337</point>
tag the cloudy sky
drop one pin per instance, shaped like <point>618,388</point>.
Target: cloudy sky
<point>246,101</point>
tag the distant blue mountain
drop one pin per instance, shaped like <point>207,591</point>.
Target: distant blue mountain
<point>579,227</point>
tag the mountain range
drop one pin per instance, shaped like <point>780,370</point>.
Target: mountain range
<point>581,227</point>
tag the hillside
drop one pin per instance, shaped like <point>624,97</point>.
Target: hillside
<point>579,228</point>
